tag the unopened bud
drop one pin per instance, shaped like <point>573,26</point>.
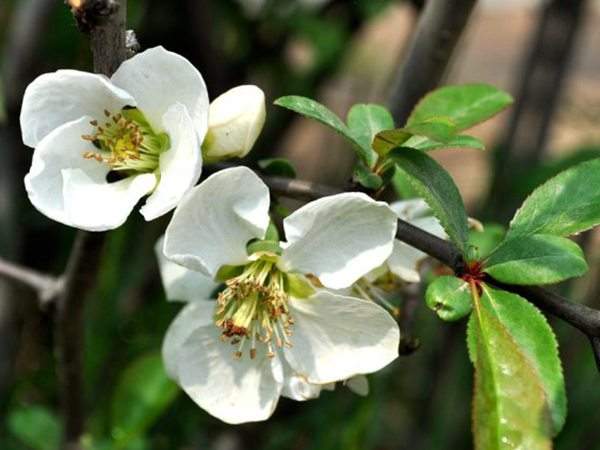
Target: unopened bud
<point>235,119</point>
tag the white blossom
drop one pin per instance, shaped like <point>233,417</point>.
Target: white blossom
<point>144,126</point>
<point>272,331</point>
<point>404,260</point>
<point>235,120</point>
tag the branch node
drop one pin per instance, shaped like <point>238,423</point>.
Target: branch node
<point>89,14</point>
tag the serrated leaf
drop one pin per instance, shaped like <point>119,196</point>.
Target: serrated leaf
<point>366,120</point>
<point>279,167</point>
<point>143,392</point>
<point>315,110</point>
<point>437,188</point>
<point>35,426</point>
<point>566,204</point>
<point>457,141</point>
<point>449,297</point>
<point>484,242</point>
<point>439,129</point>
<point>520,399</point>
<point>536,259</point>
<point>386,140</point>
<point>466,105</point>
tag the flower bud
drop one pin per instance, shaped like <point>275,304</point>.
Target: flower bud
<point>235,119</point>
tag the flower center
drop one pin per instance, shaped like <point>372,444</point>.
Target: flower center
<point>253,308</point>
<point>126,142</point>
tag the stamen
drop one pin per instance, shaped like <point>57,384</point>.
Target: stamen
<point>254,308</point>
<point>126,142</point>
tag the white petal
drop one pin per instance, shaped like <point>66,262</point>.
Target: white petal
<point>192,317</point>
<point>216,219</point>
<point>180,166</point>
<point>339,238</point>
<point>404,260</point>
<point>335,338</point>
<point>181,283</point>
<point>71,189</point>
<point>411,209</point>
<point>359,385</point>
<point>54,99</point>
<point>235,391</point>
<point>158,79</point>
<point>95,205</point>
<point>296,386</point>
<point>235,120</point>
<point>431,225</point>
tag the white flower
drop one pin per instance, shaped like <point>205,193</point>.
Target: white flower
<point>270,333</point>
<point>404,260</point>
<point>144,125</point>
<point>235,120</point>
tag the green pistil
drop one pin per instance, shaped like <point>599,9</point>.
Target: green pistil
<point>127,142</point>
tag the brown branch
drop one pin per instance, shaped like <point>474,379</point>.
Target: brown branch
<point>46,286</point>
<point>105,21</point>
<point>439,29</point>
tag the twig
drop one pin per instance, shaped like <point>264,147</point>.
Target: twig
<point>105,21</point>
<point>46,286</point>
<point>540,84</point>
<point>582,317</point>
<point>440,26</point>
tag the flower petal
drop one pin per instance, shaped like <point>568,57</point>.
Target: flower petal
<point>71,189</point>
<point>180,283</point>
<point>95,205</point>
<point>216,219</point>
<point>158,79</point>
<point>335,338</point>
<point>235,121</point>
<point>411,209</point>
<point>180,166</point>
<point>359,385</point>
<point>339,238</point>
<point>404,260</point>
<point>192,317</point>
<point>296,386</point>
<point>53,99</point>
<point>235,391</point>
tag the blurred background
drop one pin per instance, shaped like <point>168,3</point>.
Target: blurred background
<point>341,52</point>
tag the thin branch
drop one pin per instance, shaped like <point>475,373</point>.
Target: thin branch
<point>46,286</point>
<point>105,21</point>
<point>440,26</point>
<point>582,317</point>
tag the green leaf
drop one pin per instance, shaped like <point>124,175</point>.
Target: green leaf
<point>519,399</point>
<point>457,141</point>
<point>435,185</point>
<point>386,140</point>
<point>466,105</point>
<point>484,242</point>
<point>366,120</point>
<point>315,110</point>
<point>439,129</point>
<point>142,394</point>
<point>279,167</point>
<point>36,427</point>
<point>536,259</point>
<point>365,177</point>
<point>566,204</point>
<point>449,297</point>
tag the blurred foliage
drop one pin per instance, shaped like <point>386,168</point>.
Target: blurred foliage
<point>418,402</point>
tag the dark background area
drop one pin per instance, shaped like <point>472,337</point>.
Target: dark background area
<point>340,52</point>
